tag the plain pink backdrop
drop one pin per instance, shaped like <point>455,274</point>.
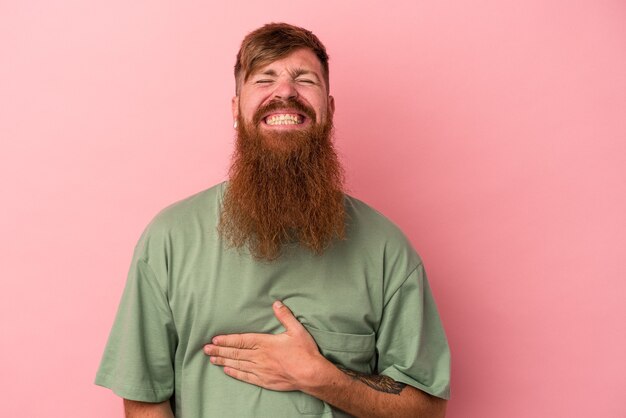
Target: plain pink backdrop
<point>492,132</point>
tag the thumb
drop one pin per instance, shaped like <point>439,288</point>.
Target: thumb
<point>286,318</point>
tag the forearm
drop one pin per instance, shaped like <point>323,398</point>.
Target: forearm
<point>372,396</point>
<point>136,409</point>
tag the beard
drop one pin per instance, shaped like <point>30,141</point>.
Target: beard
<point>285,187</point>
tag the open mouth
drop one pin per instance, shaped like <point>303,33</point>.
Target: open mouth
<point>284,119</point>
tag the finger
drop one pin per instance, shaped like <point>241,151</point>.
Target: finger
<point>244,341</point>
<point>243,376</point>
<point>227,352</point>
<point>286,318</point>
<point>244,366</point>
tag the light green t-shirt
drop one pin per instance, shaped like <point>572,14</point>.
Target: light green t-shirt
<point>365,301</point>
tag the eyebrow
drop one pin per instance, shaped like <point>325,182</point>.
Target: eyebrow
<point>301,71</point>
<point>294,73</point>
<point>270,72</point>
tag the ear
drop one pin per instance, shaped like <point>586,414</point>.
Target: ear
<point>235,108</point>
<point>331,105</point>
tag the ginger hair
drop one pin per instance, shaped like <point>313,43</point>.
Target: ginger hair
<point>272,42</point>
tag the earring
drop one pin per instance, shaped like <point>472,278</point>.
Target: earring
<point>235,124</point>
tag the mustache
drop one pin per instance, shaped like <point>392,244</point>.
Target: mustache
<point>281,104</point>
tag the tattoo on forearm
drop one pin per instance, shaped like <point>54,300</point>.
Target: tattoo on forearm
<point>378,382</point>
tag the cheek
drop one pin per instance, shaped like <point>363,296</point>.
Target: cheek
<point>321,105</point>
<point>249,110</point>
<point>248,104</point>
<point>323,111</point>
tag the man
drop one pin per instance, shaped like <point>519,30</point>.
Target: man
<point>275,294</point>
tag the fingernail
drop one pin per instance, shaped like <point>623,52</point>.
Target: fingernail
<point>215,340</point>
<point>278,304</point>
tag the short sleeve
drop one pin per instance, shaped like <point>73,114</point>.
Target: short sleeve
<point>138,362</point>
<point>411,343</point>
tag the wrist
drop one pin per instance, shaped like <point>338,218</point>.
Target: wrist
<point>324,377</point>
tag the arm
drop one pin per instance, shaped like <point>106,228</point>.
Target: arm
<point>364,395</point>
<point>136,409</point>
<point>291,361</point>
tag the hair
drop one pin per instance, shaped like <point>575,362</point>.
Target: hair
<point>272,42</point>
<point>284,188</point>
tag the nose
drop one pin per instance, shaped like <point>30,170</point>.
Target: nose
<point>285,89</point>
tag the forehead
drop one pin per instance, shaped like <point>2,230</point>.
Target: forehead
<point>300,59</point>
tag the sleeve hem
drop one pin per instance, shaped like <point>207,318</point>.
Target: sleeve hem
<point>134,393</point>
<point>440,390</point>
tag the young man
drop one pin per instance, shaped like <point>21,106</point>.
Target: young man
<point>276,294</point>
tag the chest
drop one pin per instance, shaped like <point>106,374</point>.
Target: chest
<point>225,291</point>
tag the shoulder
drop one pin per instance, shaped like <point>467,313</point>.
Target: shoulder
<point>364,219</point>
<point>193,215</point>
<point>199,207</point>
<point>201,204</point>
<point>378,235</point>
<point>362,212</point>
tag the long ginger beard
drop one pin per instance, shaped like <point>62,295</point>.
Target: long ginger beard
<point>285,187</point>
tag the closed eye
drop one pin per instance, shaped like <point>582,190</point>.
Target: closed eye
<point>305,81</point>
<point>263,81</point>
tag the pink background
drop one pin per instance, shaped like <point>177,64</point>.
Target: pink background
<point>492,132</point>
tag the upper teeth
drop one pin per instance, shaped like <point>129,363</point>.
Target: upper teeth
<point>287,119</point>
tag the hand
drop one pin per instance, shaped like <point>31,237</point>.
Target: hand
<point>282,362</point>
